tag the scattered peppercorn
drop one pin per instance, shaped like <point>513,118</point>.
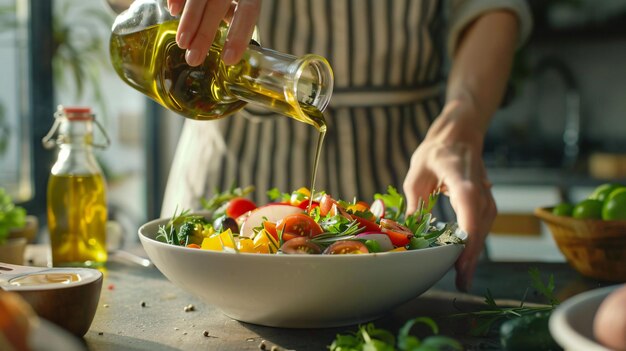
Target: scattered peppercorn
<point>205,333</point>
<point>143,304</point>
<point>100,333</point>
<point>190,308</point>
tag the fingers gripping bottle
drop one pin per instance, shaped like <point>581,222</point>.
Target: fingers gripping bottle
<point>76,197</point>
<point>145,55</point>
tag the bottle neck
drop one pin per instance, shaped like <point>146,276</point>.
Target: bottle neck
<point>75,141</point>
<point>299,87</point>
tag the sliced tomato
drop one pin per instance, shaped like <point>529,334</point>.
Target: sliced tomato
<point>298,224</point>
<point>399,234</point>
<point>326,204</point>
<point>270,227</point>
<point>300,245</point>
<point>344,247</point>
<point>370,226</point>
<point>238,206</point>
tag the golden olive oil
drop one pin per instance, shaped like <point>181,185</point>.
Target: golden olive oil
<point>150,61</point>
<point>77,215</point>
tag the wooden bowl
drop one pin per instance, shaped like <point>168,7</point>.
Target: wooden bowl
<point>595,248</point>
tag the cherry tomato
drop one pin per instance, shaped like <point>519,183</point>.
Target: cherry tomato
<point>300,245</point>
<point>298,224</point>
<point>345,247</point>
<point>326,204</point>
<point>399,234</point>
<point>370,226</point>
<point>238,206</point>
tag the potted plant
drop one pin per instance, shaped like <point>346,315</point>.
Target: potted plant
<point>14,232</point>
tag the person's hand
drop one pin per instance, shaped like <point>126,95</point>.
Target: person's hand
<point>199,23</point>
<point>450,158</point>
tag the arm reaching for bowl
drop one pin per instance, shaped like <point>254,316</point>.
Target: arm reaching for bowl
<point>450,155</point>
<point>200,20</point>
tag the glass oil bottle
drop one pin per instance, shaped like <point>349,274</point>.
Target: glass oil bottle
<point>76,197</point>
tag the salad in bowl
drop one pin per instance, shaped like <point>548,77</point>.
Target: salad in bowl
<point>303,260</point>
<point>298,223</point>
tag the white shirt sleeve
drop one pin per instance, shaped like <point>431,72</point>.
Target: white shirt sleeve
<point>463,12</point>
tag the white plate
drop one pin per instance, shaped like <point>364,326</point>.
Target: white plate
<point>571,324</point>
<point>300,291</point>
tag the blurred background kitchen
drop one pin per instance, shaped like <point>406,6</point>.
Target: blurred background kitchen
<point>561,132</point>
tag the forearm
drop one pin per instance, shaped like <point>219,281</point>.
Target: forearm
<point>480,70</point>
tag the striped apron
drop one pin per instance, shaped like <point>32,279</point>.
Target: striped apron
<point>387,61</point>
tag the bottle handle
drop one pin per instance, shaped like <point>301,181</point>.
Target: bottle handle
<point>50,142</point>
<point>107,140</point>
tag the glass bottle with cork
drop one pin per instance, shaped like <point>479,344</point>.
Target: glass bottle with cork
<point>76,198</point>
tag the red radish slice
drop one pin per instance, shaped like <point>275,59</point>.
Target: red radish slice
<point>271,212</point>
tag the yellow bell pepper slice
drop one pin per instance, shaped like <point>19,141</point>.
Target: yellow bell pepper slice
<point>218,242</point>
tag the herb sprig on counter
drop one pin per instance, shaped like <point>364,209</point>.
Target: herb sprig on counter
<point>368,337</point>
<point>495,314</point>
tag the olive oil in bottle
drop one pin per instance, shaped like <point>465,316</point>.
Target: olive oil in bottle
<point>76,196</point>
<point>150,61</point>
<point>77,215</point>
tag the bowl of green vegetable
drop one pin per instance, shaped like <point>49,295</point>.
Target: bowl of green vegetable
<point>308,263</point>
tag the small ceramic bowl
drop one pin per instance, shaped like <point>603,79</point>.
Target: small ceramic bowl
<point>300,291</point>
<point>67,297</point>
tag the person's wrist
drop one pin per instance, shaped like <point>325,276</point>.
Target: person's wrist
<point>459,122</point>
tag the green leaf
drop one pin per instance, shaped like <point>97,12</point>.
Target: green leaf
<point>394,203</point>
<point>408,342</point>
<point>546,290</point>
<point>11,216</point>
<point>440,343</point>
<point>274,194</point>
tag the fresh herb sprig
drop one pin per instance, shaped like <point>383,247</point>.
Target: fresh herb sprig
<point>368,337</point>
<point>494,314</point>
<point>179,228</point>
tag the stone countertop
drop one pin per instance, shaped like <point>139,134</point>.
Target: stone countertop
<point>140,309</point>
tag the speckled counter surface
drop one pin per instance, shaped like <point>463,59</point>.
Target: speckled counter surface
<point>141,310</point>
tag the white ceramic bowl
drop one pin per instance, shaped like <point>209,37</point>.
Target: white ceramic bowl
<point>571,324</point>
<point>299,291</point>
